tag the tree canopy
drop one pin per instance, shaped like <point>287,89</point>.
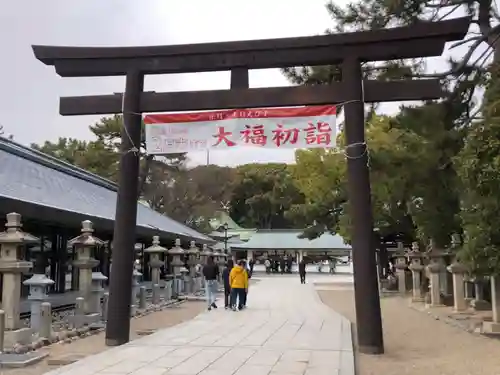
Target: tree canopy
<point>262,194</point>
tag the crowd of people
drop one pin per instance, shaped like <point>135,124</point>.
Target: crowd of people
<point>235,278</point>
<point>279,265</point>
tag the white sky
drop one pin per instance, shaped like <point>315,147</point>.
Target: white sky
<point>30,91</point>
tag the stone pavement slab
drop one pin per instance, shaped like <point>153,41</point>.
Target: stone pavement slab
<point>285,330</point>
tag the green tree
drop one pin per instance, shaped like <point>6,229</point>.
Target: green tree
<point>108,131</point>
<point>102,156</point>
<point>479,168</point>
<point>399,161</point>
<point>93,156</point>
<point>262,194</point>
<point>192,196</point>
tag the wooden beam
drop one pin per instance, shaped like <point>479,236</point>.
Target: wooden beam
<point>420,40</point>
<point>375,91</point>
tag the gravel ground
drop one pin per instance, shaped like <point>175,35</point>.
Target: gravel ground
<point>95,344</point>
<point>416,343</point>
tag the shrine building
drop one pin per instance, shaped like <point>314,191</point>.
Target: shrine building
<point>272,243</point>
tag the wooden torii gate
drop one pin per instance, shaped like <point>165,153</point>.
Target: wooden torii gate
<point>348,50</point>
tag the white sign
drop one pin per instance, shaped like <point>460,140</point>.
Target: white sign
<point>304,127</point>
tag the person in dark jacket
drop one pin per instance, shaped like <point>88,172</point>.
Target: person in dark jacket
<point>211,273</point>
<point>302,271</point>
<point>282,265</point>
<point>227,284</point>
<point>251,264</point>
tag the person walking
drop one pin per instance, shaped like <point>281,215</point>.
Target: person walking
<point>227,285</point>
<point>267,264</point>
<point>302,271</point>
<point>238,280</point>
<point>251,264</point>
<point>331,265</point>
<point>211,273</point>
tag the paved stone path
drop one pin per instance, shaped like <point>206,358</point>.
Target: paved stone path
<point>286,330</point>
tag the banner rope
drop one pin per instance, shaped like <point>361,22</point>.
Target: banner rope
<point>355,145</point>
<point>134,149</point>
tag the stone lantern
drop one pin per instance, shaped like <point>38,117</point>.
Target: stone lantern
<point>97,292</point>
<point>193,262</point>
<point>435,268</point>
<point>458,271</point>
<point>38,285</point>
<point>401,267</point>
<point>136,277</point>
<point>205,253</point>
<point>416,267</point>
<point>84,244</point>
<point>177,252</point>
<point>12,267</point>
<point>155,250</point>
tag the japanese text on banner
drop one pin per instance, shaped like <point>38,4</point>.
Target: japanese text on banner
<point>309,127</point>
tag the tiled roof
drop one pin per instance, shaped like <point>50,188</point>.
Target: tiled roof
<point>281,239</point>
<point>33,177</point>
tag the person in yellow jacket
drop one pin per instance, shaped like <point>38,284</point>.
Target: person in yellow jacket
<point>238,279</point>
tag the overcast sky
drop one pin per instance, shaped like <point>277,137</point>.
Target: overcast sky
<point>30,91</point>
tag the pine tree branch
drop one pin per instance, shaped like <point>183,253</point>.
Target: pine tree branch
<point>458,69</point>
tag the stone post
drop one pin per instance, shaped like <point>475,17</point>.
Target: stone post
<point>12,267</point>
<point>136,276</point>
<point>156,293</point>
<point>494,325</point>
<point>479,303</point>
<point>416,267</point>
<point>142,298</point>
<point>177,252</point>
<point>169,287</point>
<point>38,284</point>
<point>469,289</point>
<point>104,313</point>
<point>154,251</point>
<point>45,329</point>
<point>184,281</point>
<point>401,268</point>
<point>79,317</point>
<point>193,262</point>
<point>96,292</point>
<point>84,244</point>
<point>458,271</point>
<point>435,268</point>
<point>2,330</point>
